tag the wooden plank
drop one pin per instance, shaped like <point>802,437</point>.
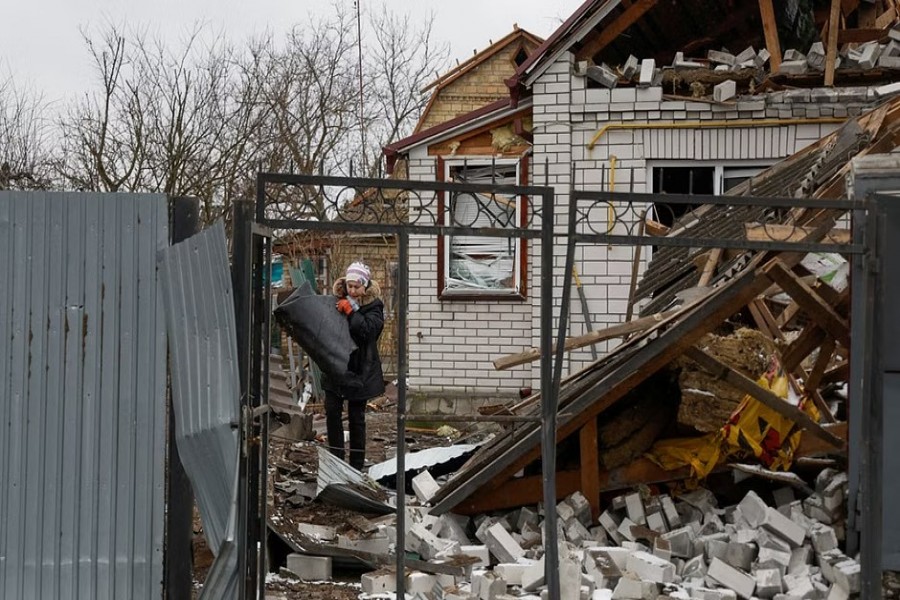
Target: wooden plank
<point>709,269</point>
<point>610,32</point>
<point>887,18</point>
<point>822,312</point>
<point>770,27</point>
<point>822,361</point>
<point>722,371</point>
<point>831,45</point>
<point>594,337</point>
<point>809,339</point>
<point>756,232</point>
<point>765,317</point>
<point>590,466</point>
<point>839,373</point>
<point>518,491</point>
<point>787,315</point>
<point>813,446</point>
<point>860,35</point>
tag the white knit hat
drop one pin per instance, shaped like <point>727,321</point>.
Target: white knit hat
<point>360,273</point>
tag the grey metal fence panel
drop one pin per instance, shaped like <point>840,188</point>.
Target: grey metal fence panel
<point>205,384</point>
<point>82,395</point>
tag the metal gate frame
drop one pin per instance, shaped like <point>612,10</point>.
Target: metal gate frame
<point>252,259</point>
<point>253,233</point>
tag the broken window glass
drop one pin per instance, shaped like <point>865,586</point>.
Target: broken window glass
<point>476,263</point>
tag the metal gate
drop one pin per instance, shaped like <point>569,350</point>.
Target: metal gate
<point>405,208</point>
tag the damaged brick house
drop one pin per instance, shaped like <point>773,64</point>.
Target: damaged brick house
<point>642,96</point>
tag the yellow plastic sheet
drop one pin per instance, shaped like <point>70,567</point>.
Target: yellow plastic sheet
<point>752,430</point>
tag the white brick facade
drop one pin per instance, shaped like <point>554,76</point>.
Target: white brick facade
<point>452,343</point>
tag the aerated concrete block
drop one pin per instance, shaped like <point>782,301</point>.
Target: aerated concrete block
<point>668,508</point>
<point>630,68</point>
<point>502,545</point>
<point>425,486</point>
<point>681,540</point>
<point>753,509</point>
<point>650,568</point>
<point>648,68</point>
<point>378,582</point>
<point>634,508</point>
<point>480,552</point>
<point>723,58</point>
<point>420,583</point>
<point>734,579</point>
<point>740,556</point>
<point>310,568</point>
<point>822,537</point>
<point>603,75</point>
<point>778,524</point>
<point>582,508</point>
<point>768,583</point>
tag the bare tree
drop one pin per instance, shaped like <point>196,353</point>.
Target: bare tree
<point>24,155</point>
<point>401,60</point>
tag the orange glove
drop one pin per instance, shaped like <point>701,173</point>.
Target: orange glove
<point>344,306</point>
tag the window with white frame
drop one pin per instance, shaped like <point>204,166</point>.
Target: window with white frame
<point>478,266</point>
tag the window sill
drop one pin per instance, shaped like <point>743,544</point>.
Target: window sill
<point>484,296</point>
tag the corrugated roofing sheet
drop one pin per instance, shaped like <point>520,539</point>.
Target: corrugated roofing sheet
<point>82,395</point>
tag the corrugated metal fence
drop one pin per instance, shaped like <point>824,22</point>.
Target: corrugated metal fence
<point>82,395</point>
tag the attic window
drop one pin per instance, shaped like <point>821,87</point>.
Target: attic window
<point>520,56</point>
<point>479,266</point>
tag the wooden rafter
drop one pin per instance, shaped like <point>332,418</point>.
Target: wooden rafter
<point>831,46</point>
<point>722,371</point>
<point>836,326</point>
<point>770,27</point>
<point>614,29</point>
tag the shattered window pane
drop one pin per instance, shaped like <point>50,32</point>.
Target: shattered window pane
<point>475,263</point>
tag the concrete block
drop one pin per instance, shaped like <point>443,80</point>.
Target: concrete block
<point>734,579</point>
<point>702,499</point>
<point>575,532</point>
<point>425,486</point>
<point>630,68</point>
<point>532,535</point>
<point>450,527</point>
<point>823,538</point>
<point>480,552</point>
<point>374,544</point>
<point>767,539</point>
<point>785,528</point>
<point>650,568</point>
<point>681,540</point>
<point>533,576</point>
<point>835,493</point>
<point>487,585</point>
<point>770,558</point>
<point>429,545</point>
<point>740,556</point>
<point>768,583</point>
<point>481,528</point>
<point>624,529</point>
<point>762,57</point>
<point>618,503</point>
<point>722,58</point>
<point>783,496</point>
<point>599,535</point>
<point>582,508</point>
<point>603,75</point>
<point>681,62</point>
<point>420,583</point>
<point>801,558</point>
<point>648,67</point>
<point>724,91</point>
<point>634,508</point>
<point>657,522</point>
<point>378,582</point>
<point>847,576</point>
<point>511,573</point>
<point>799,586</point>
<point>662,548</point>
<point>629,588</point>
<point>868,54</point>
<point>610,521</point>
<point>704,593</point>
<point>564,511</point>
<point>502,545</point>
<point>793,67</point>
<point>753,509</point>
<point>792,54</point>
<point>748,54</point>
<point>715,549</point>
<point>319,533</point>
<point>889,62</point>
<point>310,568</point>
<point>695,567</point>
<point>668,508</point>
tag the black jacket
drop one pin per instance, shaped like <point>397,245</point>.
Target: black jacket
<point>365,379</point>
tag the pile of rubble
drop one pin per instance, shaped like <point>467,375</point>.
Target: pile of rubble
<point>748,67</point>
<point>642,547</point>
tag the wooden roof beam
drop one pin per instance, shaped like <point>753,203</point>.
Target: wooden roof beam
<point>770,28</point>
<point>614,29</point>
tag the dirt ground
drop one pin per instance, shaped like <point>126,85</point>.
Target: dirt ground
<point>292,478</point>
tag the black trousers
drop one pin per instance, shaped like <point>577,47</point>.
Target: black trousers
<point>356,415</point>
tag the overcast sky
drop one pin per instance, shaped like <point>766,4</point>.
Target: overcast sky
<point>40,43</point>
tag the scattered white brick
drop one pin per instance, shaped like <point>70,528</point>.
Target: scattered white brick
<point>668,508</point>
<point>783,527</point>
<point>310,568</point>
<point>740,556</point>
<point>378,582</point>
<point>526,515</point>
<point>847,576</point>
<point>648,67</point>
<point>724,91</point>
<point>320,533</point>
<point>753,509</point>
<point>629,588</point>
<point>734,579</point>
<point>480,552</point>
<point>418,582</point>
<point>768,583</point>
<point>650,568</point>
<point>681,541</point>
<point>425,486</point>
<point>502,545</point>
<point>801,558</point>
<point>634,508</point>
<point>771,558</point>
<point>625,529</point>
<point>533,576</point>
<point>582,508</point>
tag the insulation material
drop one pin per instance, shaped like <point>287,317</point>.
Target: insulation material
<point>753,430</point>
